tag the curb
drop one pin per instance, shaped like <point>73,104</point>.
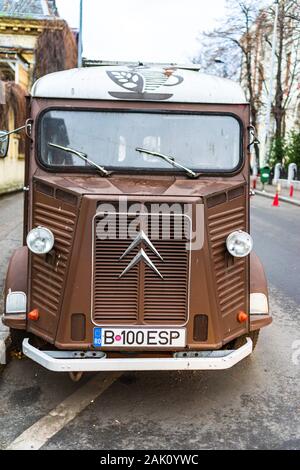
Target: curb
<point>11,193</point>
<point>295,202</point>
<point>4,333</point>
<point>2,352</point>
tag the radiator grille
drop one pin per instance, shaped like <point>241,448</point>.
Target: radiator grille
<point>48,275</point>
<point>141,296</point>
<point>229,273</point>
<point>115,299</point>
<point>166,301</point>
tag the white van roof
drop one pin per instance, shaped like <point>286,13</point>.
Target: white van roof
<point>139,82</point>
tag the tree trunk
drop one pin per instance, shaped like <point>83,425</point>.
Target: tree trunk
<point>249,69</point>
<point>278,107</point>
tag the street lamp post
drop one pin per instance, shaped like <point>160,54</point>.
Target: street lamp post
<point>79,62</point>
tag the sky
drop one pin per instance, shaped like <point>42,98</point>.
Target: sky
<point>145,30</point>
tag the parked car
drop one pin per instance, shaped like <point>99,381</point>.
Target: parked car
<point>137,251</point>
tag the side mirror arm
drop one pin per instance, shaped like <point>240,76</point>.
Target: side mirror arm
<point>253,136</point>
<point>27,127</point>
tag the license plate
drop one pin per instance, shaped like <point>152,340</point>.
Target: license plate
<point>140,337</point>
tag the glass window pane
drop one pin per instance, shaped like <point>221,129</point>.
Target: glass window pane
<point>201,142</point>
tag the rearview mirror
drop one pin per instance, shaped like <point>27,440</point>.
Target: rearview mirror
<point>4,143</point>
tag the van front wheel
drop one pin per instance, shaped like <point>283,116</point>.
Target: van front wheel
<point>239,342</point>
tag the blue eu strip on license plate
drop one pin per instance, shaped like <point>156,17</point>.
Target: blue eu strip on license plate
<point>97,337</point>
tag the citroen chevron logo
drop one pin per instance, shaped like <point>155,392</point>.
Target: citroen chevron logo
<point>142,255</point>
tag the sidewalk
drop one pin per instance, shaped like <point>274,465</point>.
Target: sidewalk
<point>11,213</point>
<point>270,191</point>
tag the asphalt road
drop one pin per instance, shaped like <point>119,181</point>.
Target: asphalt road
<point>255,405</point>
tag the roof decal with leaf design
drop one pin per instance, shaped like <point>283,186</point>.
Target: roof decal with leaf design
<point>139,82</point>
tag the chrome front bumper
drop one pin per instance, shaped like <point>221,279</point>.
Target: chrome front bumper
<point>71,361</point>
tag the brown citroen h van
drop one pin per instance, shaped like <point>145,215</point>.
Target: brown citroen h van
<point>137,253</point>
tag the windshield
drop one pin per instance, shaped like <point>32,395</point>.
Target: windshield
<point>110,139</point>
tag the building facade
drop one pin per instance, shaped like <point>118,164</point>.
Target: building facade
<point>22,24</point>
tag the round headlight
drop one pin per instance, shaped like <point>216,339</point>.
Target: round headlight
<point>40,240</point>
<point>239,244</point>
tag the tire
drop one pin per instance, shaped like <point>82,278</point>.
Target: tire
<point>16,339</point>
<point>75,376</point>
<point>239,342</point>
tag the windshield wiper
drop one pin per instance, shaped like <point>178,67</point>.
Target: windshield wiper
<point>83,156</point>
<point>170,160</point>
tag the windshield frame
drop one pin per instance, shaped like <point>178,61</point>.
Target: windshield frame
<point>138,170</point>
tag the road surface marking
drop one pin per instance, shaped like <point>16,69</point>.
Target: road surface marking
<point>40,432</point>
